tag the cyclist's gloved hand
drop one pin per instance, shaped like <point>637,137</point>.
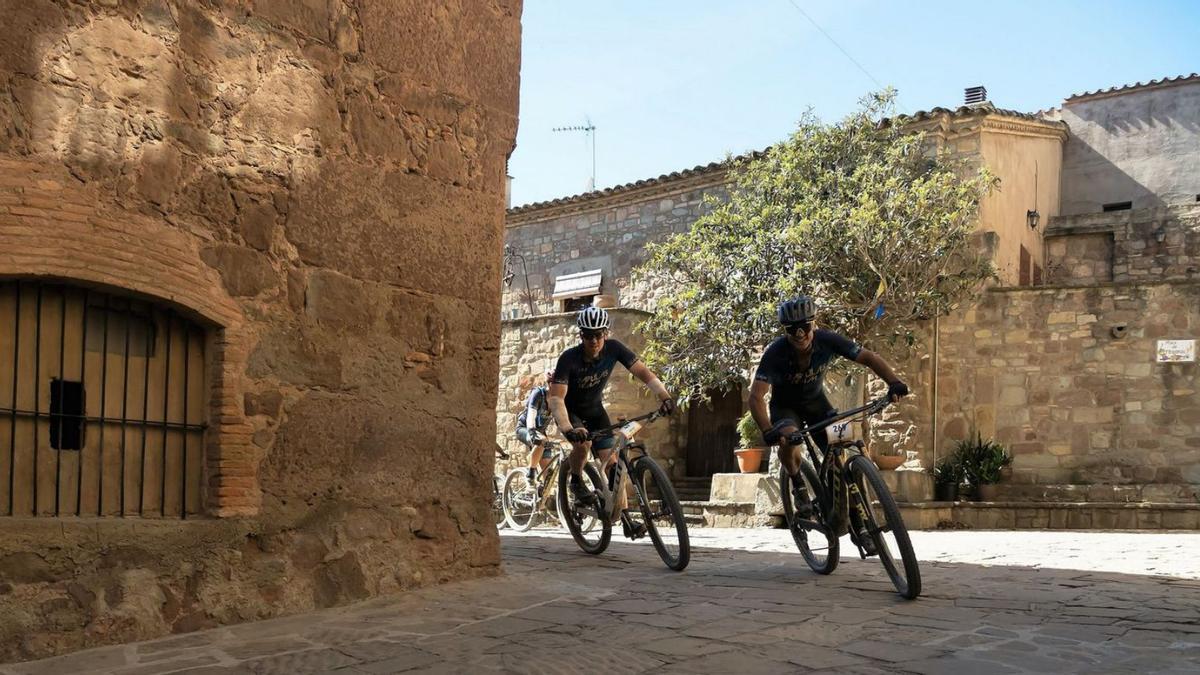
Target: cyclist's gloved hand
<point>667,407</point>
<point>897,390</point>
<point>576,435</point>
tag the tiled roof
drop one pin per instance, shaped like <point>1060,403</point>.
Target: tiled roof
<point>700,170</point>
<point>1136,85</point>
<point>714,167</point>
<point>985,108</point>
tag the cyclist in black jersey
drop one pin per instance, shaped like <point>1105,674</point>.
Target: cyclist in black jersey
<point>793,370</point>
<point>532,423</point>
<point>577,393</point>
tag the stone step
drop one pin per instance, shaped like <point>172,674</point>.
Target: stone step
<point>1169,493</point>
<point>1081,515</point>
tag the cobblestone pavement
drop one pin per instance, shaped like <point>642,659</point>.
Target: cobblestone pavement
<point>994,602</point>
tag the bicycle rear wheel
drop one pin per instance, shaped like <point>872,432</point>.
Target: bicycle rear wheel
<point>886,527</point>
<point>816,542</point>
<point>498,505</point>
<point>520,501</point>
<point>576,516</point>
<point>662,513</point>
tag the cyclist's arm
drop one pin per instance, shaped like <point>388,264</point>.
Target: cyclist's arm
<point>876,363</point>
<point>758,404</point>
<point>641,372</point>
<point>531,411</point>
<point>558,407</point>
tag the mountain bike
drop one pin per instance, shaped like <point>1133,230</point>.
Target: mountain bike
<point>848,496</point>
<point>525,503</point>
<point>497,495</point>
<point>657,504</point>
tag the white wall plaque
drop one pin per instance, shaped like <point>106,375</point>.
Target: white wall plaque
<point>1176,351</point>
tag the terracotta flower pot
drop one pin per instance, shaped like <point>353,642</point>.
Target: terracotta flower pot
<point>987,492</point>
<point>749,459</point>
<point>888,462</point>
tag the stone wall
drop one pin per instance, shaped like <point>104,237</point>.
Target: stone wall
<point>1066,378</point>
<point>297,176</point>
<point>532,345</point>
<point>1140,146</point>
<point>608,233</point>
<point>1141,245</point>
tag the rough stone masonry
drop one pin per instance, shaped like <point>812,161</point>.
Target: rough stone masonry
<point>298,177</point>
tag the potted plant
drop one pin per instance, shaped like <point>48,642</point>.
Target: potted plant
<point>983,463</point>
<point>750,454</point>
<point>947,475</point>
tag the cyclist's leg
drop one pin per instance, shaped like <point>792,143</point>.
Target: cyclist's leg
<point>576,460</point>
<point>790,458</point>
<point>546,454</point>
<point>786,420</point>
<point>527,440</point>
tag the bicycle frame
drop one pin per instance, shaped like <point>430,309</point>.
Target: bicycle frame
<point>834,457</point>
<point>626,430</point>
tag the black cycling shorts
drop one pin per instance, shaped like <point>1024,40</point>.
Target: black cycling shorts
<point>595,418</point>
<point>523,436</point>
<point>809,412</point>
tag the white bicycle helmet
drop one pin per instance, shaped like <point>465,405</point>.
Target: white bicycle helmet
<point>592,318</point>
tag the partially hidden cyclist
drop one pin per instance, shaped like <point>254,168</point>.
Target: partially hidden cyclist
<point>577,397</point>
<point>793,370</point>
<point>532,423</point>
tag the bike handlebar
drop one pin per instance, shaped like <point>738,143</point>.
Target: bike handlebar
<point>648,417</point>
<point>871,408</point>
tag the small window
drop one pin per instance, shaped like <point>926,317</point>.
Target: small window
<point>66,415</point>
<point>576,304</point>
<point>1118,206</point>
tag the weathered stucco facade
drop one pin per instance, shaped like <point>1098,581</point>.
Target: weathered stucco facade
<point>1087,411</point>
<point>291,177</point>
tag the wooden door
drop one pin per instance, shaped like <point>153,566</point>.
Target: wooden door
<point>712,434</point>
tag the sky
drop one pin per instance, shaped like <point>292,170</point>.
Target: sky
<point>670,85</point>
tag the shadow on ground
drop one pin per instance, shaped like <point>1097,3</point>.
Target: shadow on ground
<point>557,610</point>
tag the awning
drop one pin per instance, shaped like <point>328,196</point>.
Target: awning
<point>575,285</point>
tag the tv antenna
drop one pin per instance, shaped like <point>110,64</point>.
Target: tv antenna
<point>589,129</point>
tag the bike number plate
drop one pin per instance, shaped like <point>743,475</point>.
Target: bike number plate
<point>630,428</point>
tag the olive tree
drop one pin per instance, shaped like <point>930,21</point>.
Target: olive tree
<point>863,215</point>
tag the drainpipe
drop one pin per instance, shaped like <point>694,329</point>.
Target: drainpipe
<point>934,392</point>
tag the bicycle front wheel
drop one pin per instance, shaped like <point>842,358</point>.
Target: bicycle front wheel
<point>885,526</point>
<point>520,501</point>
<point>816,541</point>
<point>662,513</point>
<point>577,516</point>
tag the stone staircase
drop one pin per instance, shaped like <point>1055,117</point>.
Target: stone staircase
<point>693,489</point>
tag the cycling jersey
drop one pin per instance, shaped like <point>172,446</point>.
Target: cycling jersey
<point>585,379</point>
<point>536,414</point>
<point>800,385</point>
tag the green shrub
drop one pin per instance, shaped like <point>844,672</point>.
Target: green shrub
<point>981,460</point>
<point>948,471</point>
<point>749,432</point>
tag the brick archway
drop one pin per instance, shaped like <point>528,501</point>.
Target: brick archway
<point>51,227</point>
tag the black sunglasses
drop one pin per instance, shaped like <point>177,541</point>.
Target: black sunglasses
<point>802,327</point>
<point>591,334</point>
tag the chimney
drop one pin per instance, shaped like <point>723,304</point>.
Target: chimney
<point>976,95</point>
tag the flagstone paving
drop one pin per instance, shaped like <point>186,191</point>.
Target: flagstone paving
<point>994,602</point>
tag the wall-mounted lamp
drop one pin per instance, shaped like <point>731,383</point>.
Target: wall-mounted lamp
<point>1032,217</point>
<point>510,257</point>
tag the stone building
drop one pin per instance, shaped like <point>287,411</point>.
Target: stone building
<point>1095,233</point>
<point>236,380</point>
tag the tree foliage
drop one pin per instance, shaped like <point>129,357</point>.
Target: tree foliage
<point>854,214</point>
